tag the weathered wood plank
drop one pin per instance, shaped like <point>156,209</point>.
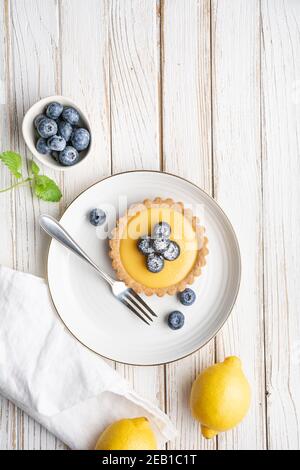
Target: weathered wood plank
<point>84,63</point>
<point>134,62</point>
<point>30,52</point>
<point>134,80</point>
<point>7,410</point>
<point>186,85</point>
<point>237,185</point>
<point>280,49</point>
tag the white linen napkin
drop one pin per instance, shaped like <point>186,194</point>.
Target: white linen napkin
<point>52,377</point>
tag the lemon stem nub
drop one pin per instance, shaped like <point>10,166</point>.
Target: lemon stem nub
<point>208,433</point>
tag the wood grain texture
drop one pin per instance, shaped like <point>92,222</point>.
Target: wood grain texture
<point>206,89</point>
<point>135,139</point>
<point>30,71</point>
<point>7,409</point>
<point>84,65</point>
<point>34,49</point>
<point>134,73</point>
<point>6,199</point>
<point>281,197</point>
<point>186,86</point>
<point>237,184</point>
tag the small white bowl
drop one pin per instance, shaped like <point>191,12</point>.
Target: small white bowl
<point>30,134</point>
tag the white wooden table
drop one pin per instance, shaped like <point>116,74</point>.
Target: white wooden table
<point>209,90</point>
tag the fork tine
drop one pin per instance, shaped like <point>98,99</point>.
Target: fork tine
<point>128,296</point>
<point>132,309</point>
<point>132,292</point>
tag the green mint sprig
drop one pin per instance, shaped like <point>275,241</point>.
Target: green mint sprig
<point>43,186</point>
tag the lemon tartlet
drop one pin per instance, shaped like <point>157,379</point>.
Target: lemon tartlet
<point>140,219</point>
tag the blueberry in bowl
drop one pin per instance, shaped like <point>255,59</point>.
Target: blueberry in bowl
<point>42,146</point>
<point>38,119</point>
<point>68,156</point>
<point>71,115</point>
<point>65,129</point>
<point>56,143</point>
<point>80,139</point>
<point>54,110</point>
<point>48,127</point>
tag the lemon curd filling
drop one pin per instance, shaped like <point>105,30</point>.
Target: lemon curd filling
<point>183,233</point>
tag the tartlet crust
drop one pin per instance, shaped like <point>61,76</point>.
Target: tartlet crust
<point>116,236</point>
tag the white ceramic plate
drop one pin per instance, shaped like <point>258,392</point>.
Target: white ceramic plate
<point>99,321</point>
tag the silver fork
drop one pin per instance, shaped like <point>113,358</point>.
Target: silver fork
<point>126,295</point>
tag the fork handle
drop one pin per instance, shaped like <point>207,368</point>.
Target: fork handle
<point>56,231</point>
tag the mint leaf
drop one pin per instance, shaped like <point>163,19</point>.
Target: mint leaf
<point>46,189</point>
<point>43,187</point>
<point>13,161</point>
<point>34,168</point>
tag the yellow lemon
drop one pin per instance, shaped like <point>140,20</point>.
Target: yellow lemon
<point>127,434</point>
<point>220,397</point>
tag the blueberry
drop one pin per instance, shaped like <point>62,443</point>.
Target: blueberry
<point>57,143</point>
<point>47,128</point>
<point>42,146</point>
<point>144,244</point>
<point>69,156</point>
<point>155,263</point>
<point>71,115</point>
<point>187,297</point>
<point>172,252</point>
<point>80,139</point>
<point>38,120</point>
<point>176,320</point>
<point>65,130</point>
<point>162,230</point>
<point>54,110</point>
<point>97,217</point>
<point>160,244</point>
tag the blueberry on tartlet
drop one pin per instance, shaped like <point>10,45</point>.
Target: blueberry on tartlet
<point>160,245</point>
<point>172,252</point>
<point>145,245</point>
<point>155,263</point>
<point>162,230</point>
